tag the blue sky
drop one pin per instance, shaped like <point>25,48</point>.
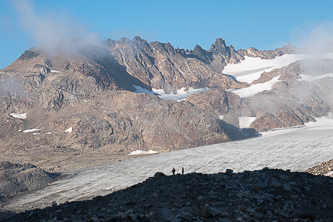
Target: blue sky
<point>184,23</point>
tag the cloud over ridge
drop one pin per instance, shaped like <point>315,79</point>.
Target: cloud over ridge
<point>52,31</point>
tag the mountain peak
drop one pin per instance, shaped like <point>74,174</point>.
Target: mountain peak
<point>219,46</point>
<point>124,40</point>
<point>219,42</point>
<point>288,48</point>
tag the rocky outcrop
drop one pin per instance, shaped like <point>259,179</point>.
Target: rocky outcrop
<point>268,54</point>
<point>222,54</point>
<point>262,195</point>
<point>16,178</point>
<point>325,168</point>
<point>162,66</point>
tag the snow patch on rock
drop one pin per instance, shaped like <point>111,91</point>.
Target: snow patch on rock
<point>31,130</point>
<point>255,88</point>
<point>142,152</point>
<point>69,130</point>
<point>19,116</point>
<point>245,122</point>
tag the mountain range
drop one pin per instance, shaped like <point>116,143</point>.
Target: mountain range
<point>84,104</point>
<point>81,105</point>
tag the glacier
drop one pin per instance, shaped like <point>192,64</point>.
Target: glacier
<point>297,149</point>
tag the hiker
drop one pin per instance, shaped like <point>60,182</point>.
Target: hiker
<point>173,171</point>
<point>182,170</point>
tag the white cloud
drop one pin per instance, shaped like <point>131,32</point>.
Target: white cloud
<point>308,78</point>
<point>319,39</point>
<point>51,29</point>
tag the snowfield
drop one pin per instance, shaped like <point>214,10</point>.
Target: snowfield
<point>251,68</point>
<point>297,149</point>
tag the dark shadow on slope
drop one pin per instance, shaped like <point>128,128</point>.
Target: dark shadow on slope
<point>115,71</point>
<point>236,133</point>
<point>230,76</point>
<point>144,200</point>
<point>5,214</point>
<point>18,179</point>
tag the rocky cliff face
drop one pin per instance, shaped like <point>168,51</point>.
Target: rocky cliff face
<point>162,66</point>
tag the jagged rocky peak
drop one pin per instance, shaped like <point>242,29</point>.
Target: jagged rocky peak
<point>288,48</point>
<point>169,47</point>
<point>120,43</point>
<point>198,50</point>
<point>253,52</point>
<point>232,48</point>
<point>219,46</point>
<point>201,53</point>
<point>139,40</point>
<point>267,54</point>
<point>160,47</point>
<point>141,44</point>
<point>110,42</point>
<point>29,54</point>
<point>124,40</point>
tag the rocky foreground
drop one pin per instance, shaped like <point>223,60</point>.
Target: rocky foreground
<point>263,195</point>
